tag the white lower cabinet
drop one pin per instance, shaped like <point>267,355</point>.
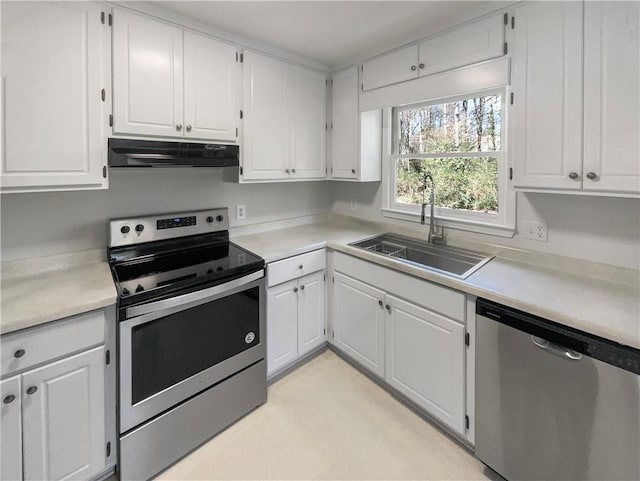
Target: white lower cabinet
<point>296,321</point>
<point>11,432</point>
<point>425,360</point>
<point>358,321</point>
<point>54,413</point>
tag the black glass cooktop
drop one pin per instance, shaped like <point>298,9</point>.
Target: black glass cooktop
<point>166,268</point>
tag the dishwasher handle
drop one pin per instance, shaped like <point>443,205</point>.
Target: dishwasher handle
<point>556,349</point>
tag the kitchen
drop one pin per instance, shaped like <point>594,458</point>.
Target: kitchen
<point>313,135</point>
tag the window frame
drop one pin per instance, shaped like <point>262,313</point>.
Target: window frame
<point>501,223</point>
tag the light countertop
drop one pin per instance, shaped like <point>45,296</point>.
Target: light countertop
<point>35,299</point>
<point>588,303</point>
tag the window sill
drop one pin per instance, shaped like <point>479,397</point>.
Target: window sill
<point>455,224</point>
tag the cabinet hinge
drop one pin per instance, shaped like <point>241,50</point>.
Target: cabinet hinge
<point>104,174</point>
<point>241,114</point>
<point>102,15</point>
<point>510,173</point>
<point>324,332</point>
<point>326,170</point>
<point>241,58</point>
<point>241,170</point>
<point>505,48</point>
<point>506,18</point>
<point>331,124</point>
<point>110,120</point>
<point>361,87</point>
<point>333,335</point>
<point>324,277</point>
<point>108,448</point>
<point>362,67</point>
<point>237,54</point>
<point>466,422</point>
<point>107,355</point>
<point>511,97</point>
<point>236,131</point>
<point>333,279</point>
<point>326,126</point>
<point>332,170</point>
<point>110,19</point>
<point>466,339</point>
<point>103,95</point>
<point>513,23</point>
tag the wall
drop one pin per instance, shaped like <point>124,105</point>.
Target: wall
<point>38,224</point>
<point>600,229</point>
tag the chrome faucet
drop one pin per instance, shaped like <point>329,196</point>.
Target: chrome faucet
<point>434,237</point>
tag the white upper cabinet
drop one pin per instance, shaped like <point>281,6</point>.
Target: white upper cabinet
<point>308,123</point>
<point>211,86</point>
<point>54,67</point>
<point>391,68</point>
<point>471,43</point>
<point>612,97</point>
<point>172,83</point>
<point>147,76</point>
<point>475,42</point>
<point>266,91</point>
<point>284,126</point>
<point>345,125</point>
<point>546,115</point>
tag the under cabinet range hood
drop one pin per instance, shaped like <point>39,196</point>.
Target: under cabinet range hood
<point>153,153</point>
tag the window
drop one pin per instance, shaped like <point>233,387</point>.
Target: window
<point>460,143</point>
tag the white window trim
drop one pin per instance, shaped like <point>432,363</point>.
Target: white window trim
<point>502,224</point>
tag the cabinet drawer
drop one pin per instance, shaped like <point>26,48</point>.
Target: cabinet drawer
<point>294,267</point>
<point>51,341</point>
<point>438,298</point>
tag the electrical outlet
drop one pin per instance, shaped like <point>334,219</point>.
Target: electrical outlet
<point>535,230</point>
<point>354,204</point>
<point>241,211</point>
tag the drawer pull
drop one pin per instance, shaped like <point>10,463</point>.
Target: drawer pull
<point>300,267</point>
<point>380,303</point>
<point>388,308</point>
<point>19,353</point>
<point>9,399</point>
<point>295,289</point>
<point>302,288</point>
<point>32,389</point>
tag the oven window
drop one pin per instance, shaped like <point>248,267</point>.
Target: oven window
<point>173,348</point>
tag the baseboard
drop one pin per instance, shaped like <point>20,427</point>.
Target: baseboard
<point>297,363</point>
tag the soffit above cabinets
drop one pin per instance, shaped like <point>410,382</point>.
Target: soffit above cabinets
<point>333,33</point>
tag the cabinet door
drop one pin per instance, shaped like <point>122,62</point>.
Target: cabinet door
<point>478,41</point>
<point>308,123</point>
<point>147,76</point>
<point>359,322</point>
<point>54,63</point>
<point>425,360</point>
<point>266,118</point>
<point>612,96</point>
<point>64,418</point>
<point>345,126</point>
<point>211,85</point>
<point>546,116</point>
<point>282,326</point>
<point>392,68</point>
<point>311,309</point>
<point>11,432</point>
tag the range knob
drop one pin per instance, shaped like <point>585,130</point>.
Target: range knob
<point>220,218</point>
<point>125,292</point>
<point>139,228</point>
<point>139,288</point>
<point>125,229</point>
<point>210,219</point>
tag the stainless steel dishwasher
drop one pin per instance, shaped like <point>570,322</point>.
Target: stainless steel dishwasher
<point>552,402</point>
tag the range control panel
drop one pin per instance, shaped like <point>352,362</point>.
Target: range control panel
<point>138,230</point>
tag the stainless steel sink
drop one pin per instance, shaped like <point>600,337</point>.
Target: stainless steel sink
<point>460,263</point>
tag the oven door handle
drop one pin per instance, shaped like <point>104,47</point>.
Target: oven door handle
<point>192,296</point>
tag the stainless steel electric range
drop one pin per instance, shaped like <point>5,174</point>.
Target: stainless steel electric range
<point>191,334</point>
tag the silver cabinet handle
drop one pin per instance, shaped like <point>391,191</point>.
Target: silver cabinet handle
<point>188,127</point>
<point>32,389</point>
<point>421,65</point>
<point>380,303</point>
<point>413,68</point>
<point>302,288</point>
<point>295,289</point>
<point>300,266</point>
<point>287,171</point>
<point>388,308</point>
<point>353,171</point>
<point>293,171</point>
<point>591,175</point>
<point>19,353</point>
<point>9,399</point>
<point>178,127</point>
<point>556,349</point>
<point>573,175</point>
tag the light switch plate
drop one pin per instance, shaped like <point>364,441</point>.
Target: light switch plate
<point>535,230</point>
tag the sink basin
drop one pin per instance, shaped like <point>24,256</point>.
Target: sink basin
<point>460,263</point>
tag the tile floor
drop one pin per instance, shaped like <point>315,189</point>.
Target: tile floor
<point>326,420</point>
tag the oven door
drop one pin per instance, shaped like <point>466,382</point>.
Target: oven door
<point>175,348</point>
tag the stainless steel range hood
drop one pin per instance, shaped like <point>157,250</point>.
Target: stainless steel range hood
<point>153,153</point>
